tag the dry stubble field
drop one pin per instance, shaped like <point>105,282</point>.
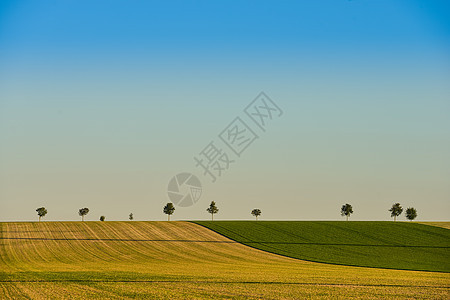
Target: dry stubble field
<point>75,260</point>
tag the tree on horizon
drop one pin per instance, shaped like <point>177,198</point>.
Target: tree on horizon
<point>102,218</point>
<point>346,210</point>
<point>411,213</point>
<point>131,217</point>
<point>396,210</point>
<point>256,212</point>
<point>168,210</point>
<point>41,211</point>
<point>212,209</point>
<point>82,212</point>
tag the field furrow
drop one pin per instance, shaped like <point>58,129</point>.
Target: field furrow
<point>166,260</point>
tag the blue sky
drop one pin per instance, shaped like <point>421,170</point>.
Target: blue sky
<point>101,102</point>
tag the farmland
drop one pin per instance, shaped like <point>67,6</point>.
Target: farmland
<point>396,245</point>
<point>179,260</point>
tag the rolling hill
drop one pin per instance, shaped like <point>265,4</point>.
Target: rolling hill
<point>394,245</point>
<point>178,260</point>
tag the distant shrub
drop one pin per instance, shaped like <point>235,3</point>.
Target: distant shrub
<point>411,213</point>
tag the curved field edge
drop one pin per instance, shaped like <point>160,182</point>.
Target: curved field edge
<point>179,260</point>
<point>386,245</point>
<point>445,225</point>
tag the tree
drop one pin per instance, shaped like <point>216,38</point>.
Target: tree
<point>256,212</point>
<point>82,212</point>
<point>102,218</point>
<point>396,210</point>
<point>346,210</point>
<point>41,211</point>
<point>212,209</point>
<point>411,213</point>
<point>168,210</point>
<point>131,217</point>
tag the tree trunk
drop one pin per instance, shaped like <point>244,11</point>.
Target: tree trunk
<point>212,217</point>
<point>168,217</point>
<point>82,218</point>
<point>395,217</point>
<point>39,218</point>
<point>347,217</point>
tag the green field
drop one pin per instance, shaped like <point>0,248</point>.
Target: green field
<point>395,245</point>
<point>179,260</point>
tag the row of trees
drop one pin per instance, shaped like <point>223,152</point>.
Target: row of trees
<point>42,211</point>
<point>169,209</point>
<point>346,210</point>
<point>396,210</point>
<point>130,216</point>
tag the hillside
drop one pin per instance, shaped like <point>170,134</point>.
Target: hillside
<point>178,260</point>
<point>395,245</point>
<point>438,224</point>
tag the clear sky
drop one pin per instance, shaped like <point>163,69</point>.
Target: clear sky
<point>102,102</point>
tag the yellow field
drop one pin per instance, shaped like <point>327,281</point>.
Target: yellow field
<point>445,225</point>
<point>75,260</point>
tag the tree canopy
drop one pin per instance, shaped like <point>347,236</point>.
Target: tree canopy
<point>396,210</point>
<point>168,210</point>
<point>41,211</point>
<point>212,209</point>
<point>82,212</point>
<point>411,213</point>
<point>256,212</point>
<point>346,210</point>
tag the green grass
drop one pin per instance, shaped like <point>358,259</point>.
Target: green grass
<point>179,260</point>
<point>392,245</point>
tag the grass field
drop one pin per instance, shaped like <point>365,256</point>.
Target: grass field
<point>396,245</point>
<point>173,260</point>
<point>438,224</point>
